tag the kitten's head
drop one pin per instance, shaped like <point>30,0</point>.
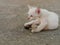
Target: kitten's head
<point>33,12</point>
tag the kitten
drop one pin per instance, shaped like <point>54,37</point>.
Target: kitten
<point>47,18</point>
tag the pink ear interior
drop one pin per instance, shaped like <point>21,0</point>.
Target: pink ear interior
<point>38,10</point>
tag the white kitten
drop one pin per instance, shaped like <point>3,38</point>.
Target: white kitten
<point>47,18</point>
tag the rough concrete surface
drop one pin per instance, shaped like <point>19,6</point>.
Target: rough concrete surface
<point>13,16</point>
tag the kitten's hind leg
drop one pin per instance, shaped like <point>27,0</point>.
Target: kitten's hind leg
<point>41,26</point>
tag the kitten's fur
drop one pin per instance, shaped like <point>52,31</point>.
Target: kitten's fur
<point>46,18</point>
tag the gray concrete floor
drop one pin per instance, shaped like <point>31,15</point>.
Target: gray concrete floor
<point>13,16</point>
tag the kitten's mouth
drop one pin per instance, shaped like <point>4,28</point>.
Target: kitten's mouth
<point>30,18</point>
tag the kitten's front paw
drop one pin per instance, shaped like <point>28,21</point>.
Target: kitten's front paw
<point>32,31</point>
<point>26,26</point>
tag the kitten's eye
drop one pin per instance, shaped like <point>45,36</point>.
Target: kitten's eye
<point>31,16</point>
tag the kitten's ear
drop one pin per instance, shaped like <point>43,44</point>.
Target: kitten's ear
<point>29,6</point>
<point>38,10</point>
